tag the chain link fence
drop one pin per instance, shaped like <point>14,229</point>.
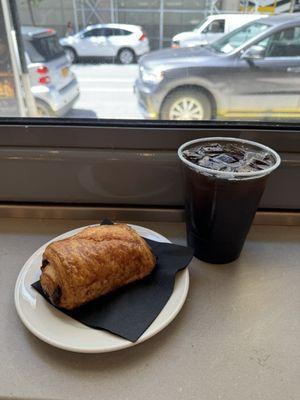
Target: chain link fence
<point>161,19</point>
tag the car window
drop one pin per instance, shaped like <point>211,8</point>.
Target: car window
<point>108,32</point>
<point>95,32</point>
<point>238,37</point>
<point>285,43</point>
<point>89,33</point>
<point>120,32</point>
<point>33,54</point>
<point>125,32</point>
<point>216,26</point>
<point>47,47</point>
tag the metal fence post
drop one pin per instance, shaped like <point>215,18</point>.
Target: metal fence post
<point>74,2</point>
<point>161,24</point>
<point>29,98</point>
<point>82,2</point>
<point>112,11</point>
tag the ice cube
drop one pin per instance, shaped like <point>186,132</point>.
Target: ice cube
<point>256,166</point>
<point>237,150</point>
<point>224,158</point>
<point>207,162</point>
<point>192,155</point>
<point>212,148</point>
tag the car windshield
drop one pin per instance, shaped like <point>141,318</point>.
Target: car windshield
<point>48,47</point>
<point>238,37</point>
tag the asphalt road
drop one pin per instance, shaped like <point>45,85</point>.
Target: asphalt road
<point>106,91</point>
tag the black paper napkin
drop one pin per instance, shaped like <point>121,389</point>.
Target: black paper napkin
<point>130,310</point>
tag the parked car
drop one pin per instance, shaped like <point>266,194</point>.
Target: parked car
<point>251,73</point>
<point>122,42</point>
<point>53,84</point>
<point>212,28</point>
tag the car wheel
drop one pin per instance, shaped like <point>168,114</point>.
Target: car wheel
<point>187,105</point>
<point>71,54</point>
<point>44,110</point>
<point>126,56</point>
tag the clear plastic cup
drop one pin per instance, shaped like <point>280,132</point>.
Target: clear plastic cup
<point>220,205</point>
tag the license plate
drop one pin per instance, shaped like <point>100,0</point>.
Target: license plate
<point>65,71</point>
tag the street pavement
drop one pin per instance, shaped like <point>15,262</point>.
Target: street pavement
<point>106,91</point>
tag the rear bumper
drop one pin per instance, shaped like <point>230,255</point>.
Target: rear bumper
<point>67,107</point>
<point>60,101</point>
<point>142,49</point>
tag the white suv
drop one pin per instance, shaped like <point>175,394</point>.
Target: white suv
<point>119,41</point>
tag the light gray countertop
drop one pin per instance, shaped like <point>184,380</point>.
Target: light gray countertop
<point>236,338</point>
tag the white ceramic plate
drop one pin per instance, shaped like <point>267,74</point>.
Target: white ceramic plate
<point>57,329</point>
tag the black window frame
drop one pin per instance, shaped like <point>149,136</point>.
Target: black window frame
<point>31,149</point>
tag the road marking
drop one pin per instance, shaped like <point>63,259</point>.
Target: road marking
<point>108,90</point>
<point>105,80</point>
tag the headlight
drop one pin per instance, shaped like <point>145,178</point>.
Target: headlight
<point>151,76</point>
<point>175,44</point>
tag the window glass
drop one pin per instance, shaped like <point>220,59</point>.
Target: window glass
<point>125,32</point>
<point>285,43</point>
<point>89,33</point>
<point>217,26</point>
<point>108,32</point>
<point>32,53</point>
<point>95,32</point>
<point>239,37</point>
<point>148,60</point>
<point>48,48</point>
<point>120,32</point>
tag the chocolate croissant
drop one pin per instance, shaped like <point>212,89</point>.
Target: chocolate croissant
<point>92,263</point>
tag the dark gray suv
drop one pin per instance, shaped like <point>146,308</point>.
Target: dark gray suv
<point>251,73</point>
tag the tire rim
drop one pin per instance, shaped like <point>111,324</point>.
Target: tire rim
<point>126,57</point>
<point>187,108</point>
<point>70,55</point>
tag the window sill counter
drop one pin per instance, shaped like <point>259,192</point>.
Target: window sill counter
<point>237,336</point>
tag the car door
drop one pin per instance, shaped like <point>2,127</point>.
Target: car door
<point>116,39</point>
<point>94,43</point>
<point>268,87</point>
<point>107,46</point>
<point>214,30</point>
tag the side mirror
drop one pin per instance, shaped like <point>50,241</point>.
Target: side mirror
<point>254,53</point>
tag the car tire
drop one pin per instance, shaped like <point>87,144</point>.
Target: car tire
<point>44,111</point>
<point>126,56</point>
<point>71,54</point>
<point>186,105</point>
